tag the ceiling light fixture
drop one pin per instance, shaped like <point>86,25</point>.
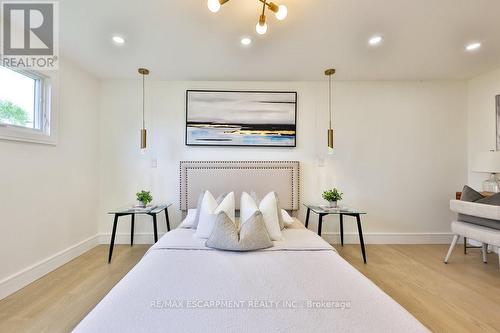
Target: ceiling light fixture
<point>280,11</point>
<point>245,41</point>
<point>375,40</point>
<point>473,46</point>
<point>118,40</point>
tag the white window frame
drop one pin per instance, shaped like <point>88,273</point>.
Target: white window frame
<point>45,117</point>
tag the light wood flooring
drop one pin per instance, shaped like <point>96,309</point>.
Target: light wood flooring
<point>463,296</point>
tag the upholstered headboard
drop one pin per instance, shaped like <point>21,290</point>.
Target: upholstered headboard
<point>260,177</point>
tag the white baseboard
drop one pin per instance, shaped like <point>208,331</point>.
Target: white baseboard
<point>13,283</point>
<point>124,238</point>
<point>390,238</point>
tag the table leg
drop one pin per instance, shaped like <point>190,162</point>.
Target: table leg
<point>132,222</point>
<point>360,232</point>
<point>320,223</point>
<point>167,219</point>
<point>155,227</point>
<point>307,216</point>
<point>341,216</point>
<point>465,245</point>
<point>112,243</point>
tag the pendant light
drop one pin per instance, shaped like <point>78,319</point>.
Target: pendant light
<point>143,72</point>
<point>329,72</point>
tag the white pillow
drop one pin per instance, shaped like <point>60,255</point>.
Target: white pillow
<point>287,219</point>
<point>268,207</point>
<point>189,221</point>
<point>248,207</point>
<point>209,210</point>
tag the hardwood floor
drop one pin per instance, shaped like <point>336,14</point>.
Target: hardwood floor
<point>59,300</point>
<point>463,296</point>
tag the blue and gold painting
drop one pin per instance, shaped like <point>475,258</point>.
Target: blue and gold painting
<point>241,118</point>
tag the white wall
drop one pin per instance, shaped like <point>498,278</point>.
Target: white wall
<point>49,194</point>
<point>481,119</point>
<point>400,150</point>
<point>400,155</point>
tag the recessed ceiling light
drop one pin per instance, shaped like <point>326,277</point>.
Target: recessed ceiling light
<point>473,46</point>
<point>375,40</point>
<point>118,40</point>
<point>246,41</point>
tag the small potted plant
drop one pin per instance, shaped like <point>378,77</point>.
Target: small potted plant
<point>332,196</point>
<point>144,197</point>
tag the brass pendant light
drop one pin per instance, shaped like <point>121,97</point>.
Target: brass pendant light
<point>329,72</point>
<point>143,72</point>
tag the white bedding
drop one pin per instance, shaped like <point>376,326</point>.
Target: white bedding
<point>299,285</point>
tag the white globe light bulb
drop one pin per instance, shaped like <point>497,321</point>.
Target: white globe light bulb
<point>282,12</point>
<point>213,5</point>
<point>261,29</point>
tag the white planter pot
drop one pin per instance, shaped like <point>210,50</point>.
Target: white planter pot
<point>332,204</point>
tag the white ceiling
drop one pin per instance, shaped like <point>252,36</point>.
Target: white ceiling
<point>182,40</point>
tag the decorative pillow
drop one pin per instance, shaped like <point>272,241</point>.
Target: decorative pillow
<point>252,235</point>
<point>198,206</point>
<point>493,200</point>
<point>188,222</point>
<point>469,194</point>
<point>269,209</point>
<point>208,208</point>
<point>198,209</point>
<point>287,219</point>
<point>248,206</point>
<point>280,217</point>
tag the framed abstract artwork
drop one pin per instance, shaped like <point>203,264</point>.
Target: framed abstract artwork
<point>241,118</point>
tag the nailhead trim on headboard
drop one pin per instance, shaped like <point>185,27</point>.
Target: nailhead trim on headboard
<point>293,166</point>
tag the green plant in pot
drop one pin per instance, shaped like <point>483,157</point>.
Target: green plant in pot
<point>332,196</point>
<point>144,198</point>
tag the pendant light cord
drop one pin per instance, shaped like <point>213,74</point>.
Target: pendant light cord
<point>143,102</point>
<point>264,7</point>
<point>330,100</point>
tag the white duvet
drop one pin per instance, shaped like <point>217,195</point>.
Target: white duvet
<point>299,285</point>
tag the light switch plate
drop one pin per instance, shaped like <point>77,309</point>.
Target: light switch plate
<point>154,163</point>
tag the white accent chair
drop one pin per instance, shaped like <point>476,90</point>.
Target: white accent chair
<point>479,233</point>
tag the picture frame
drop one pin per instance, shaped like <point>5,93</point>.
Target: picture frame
<point>239,118</point>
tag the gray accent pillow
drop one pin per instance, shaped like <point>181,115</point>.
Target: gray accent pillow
<point>252,235</point>
<point>468,194</point>
<point>493,200</point>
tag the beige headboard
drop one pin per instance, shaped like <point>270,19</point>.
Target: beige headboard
<point>260,177</point>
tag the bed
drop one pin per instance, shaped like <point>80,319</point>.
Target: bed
<point>299,285</point>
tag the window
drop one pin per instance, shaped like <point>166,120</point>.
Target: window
<point>25,106</point>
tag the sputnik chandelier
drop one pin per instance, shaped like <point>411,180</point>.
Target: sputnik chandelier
<point>261,28</point>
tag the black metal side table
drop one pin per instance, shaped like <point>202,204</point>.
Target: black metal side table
<point>153,211</point>
<point>323,211</point>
